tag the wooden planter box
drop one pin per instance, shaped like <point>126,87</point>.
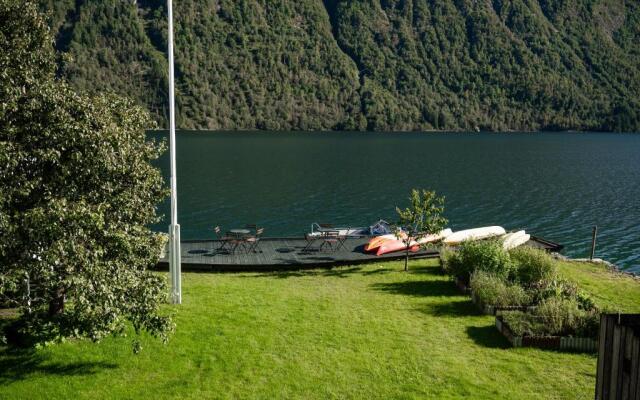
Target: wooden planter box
<point>497,310</point>
<point>547,342</point>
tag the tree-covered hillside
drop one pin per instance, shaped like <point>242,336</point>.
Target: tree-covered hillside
<point>365,64</point>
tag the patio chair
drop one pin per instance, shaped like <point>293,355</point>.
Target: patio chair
<point>253,227</point>
<point>253,241</point>
<point>333,239</point>
<point>311,239</point>
<point>225,240</point>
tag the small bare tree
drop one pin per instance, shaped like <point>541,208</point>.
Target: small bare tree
<point>422,218</point>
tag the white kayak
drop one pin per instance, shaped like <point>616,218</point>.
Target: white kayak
<point>474,234</point>
<point>515,239</point>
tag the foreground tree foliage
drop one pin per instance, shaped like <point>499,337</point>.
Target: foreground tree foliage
<point>77,192</point>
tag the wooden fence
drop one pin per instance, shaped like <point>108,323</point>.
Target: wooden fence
<point>619,357</point>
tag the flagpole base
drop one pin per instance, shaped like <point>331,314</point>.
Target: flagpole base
<point>174,264</point>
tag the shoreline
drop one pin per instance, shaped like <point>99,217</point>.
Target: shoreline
<point>399,132</point>
<point>599,261</point>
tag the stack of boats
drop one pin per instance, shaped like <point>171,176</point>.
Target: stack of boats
<point>393,242</point>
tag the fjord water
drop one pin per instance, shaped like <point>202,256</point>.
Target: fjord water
<point>554,185</point>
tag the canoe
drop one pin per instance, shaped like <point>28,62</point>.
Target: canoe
<point>392,245</point>
<point>375,242</point>
<point>515,239</point>
<point>474,234</point>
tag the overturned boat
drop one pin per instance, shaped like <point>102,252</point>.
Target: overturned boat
<point>397,244</point>
<point>474,234</point>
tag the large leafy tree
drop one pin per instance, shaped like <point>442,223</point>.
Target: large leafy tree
<point>77,192</point>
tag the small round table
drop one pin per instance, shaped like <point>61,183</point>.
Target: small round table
<point>240,232</point>
<point>239,237</point>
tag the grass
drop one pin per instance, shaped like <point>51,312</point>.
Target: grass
<point>613,291</point>
<point>353,332</point>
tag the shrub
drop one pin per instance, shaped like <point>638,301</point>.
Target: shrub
<point>451,262</point>
<point>543,290</point>
<point>494,291</point>
<point>532,265</point>
<point>523,324</point>
<point>585,301</point>
<point>555,316</point>
<point>488,256</point>
<point>559,315</point>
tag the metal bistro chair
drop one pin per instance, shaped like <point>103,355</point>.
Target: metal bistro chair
<point>224,239</point>
<point>253,241</point>
<point>333,239</point>
<point>311,239</point>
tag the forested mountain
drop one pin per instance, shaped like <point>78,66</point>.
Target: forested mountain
<point>364,64</point>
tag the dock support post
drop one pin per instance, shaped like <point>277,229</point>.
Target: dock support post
<point>593,242</point>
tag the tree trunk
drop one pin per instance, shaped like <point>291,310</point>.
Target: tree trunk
<point>56,304</point>
<point>406,258</point>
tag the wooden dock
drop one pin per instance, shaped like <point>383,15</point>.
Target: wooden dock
<point>289,253</point>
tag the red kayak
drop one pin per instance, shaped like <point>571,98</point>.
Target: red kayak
<point>392,245</point>
<point>377,241</point>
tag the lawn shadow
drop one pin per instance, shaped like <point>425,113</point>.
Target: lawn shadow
<point>461,308</point>
<point>426,270</point>
<point>276,274</point>
<point>487,336</point>
<point>377,271</point>
<point>418,288</point>
<point>340,272</point>
<point>16,364</point>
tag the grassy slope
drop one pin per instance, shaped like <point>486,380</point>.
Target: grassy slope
<point>613,291</point>
<point>350,333</point>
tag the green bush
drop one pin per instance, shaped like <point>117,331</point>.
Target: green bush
<point>494,291</point>
<point>488,256</point>
<point>555,316</point>
<point>451,262</point>
<point>532,265</point>
<point>543,290</point>
<point>560,315</point>
<point>523,324</point>
<point>566,317</point>
<point>585,301</point>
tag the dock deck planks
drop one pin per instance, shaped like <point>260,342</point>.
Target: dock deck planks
<point>287,253</point>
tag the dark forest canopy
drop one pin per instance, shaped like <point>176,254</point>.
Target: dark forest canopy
<point>364,64</point>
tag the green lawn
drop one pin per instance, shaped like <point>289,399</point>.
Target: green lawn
<point>613,291</point>
<point>359,332</point>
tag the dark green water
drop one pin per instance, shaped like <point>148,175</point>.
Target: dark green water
<point>555,185</point>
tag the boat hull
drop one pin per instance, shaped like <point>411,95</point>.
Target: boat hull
<point>474,234</point>
<point>515,239</point>
<point>393,245</point>
<point>377,241</point>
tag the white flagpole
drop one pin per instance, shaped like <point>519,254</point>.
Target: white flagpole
<point>174,228</point>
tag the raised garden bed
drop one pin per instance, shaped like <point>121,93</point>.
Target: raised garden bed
<point>547,342</point>
<point>497,310</point>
